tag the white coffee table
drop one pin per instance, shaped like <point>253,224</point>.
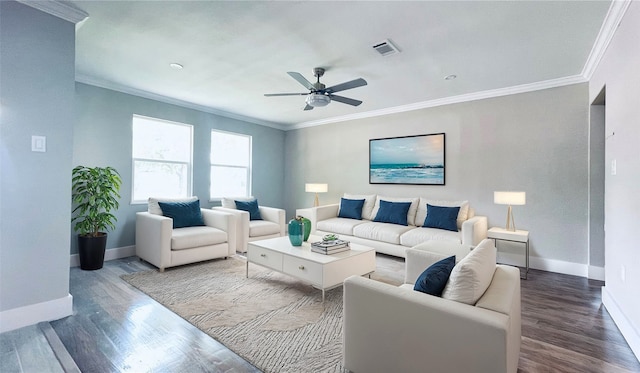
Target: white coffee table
<point>321,271</point>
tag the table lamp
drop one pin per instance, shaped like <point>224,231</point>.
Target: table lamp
<point>509,198</point>
<point>316,188</point>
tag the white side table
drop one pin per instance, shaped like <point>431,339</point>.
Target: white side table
<point>512,236</point>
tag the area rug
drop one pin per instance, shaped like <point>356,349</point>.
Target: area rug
<point>274,321</point>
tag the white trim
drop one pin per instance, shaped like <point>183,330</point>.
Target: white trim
<point>609,26</point>
<point>111,254</point>
<point>20,317</point>
<point>80,78</point>
<point>550,265</point>
<point>60,9</point>
<point>523,88</point>
<point>625,326</point>
<point>595,273</point>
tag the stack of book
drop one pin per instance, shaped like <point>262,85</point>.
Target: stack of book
<point>330,247</point>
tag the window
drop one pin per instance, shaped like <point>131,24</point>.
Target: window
<point>161,159</point>
<point>230,165</point>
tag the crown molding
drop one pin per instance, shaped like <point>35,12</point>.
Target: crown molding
<point>611,22</point>
<point>189,105</point>
<point>523,88</point>
<point>60,9</point>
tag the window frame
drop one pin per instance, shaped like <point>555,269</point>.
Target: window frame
<point>248,168</point>
<point>164,161</point>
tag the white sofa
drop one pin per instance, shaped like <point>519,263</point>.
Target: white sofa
<point>393,239</point>
<point>158,243</point>
<point>398,329</point>
<point>272,224</point>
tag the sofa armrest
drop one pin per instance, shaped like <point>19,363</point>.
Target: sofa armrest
<point>274,215</point>
<point>242,226</point>
<point>153,239</point>
<point>416,261</point>
<point>224,221</point>
<point>318,213</point>
<point>391,329</point>
<point>474,230</point>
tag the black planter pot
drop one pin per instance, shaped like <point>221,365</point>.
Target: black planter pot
<point>91,251</point>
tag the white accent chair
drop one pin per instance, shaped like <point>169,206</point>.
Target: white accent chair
<point>272,224</point>
<point>158,243</point>
<point>398,329</point>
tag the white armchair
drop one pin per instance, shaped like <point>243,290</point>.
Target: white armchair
<point>272,224</point>
<point>158,243</point>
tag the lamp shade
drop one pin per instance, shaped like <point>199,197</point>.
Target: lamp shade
<point>318,99</point>
<point>316,188</point>
<point>509,198</point>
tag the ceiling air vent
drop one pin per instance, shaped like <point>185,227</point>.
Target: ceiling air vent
<point>386,48</point>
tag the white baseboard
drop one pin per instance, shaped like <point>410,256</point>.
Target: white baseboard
<point>111,254</point>
<point>17,318</point>
<point>629,333</point>
<point>552,265</point>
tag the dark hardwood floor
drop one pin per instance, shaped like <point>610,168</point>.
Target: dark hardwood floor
<point>116,328</point>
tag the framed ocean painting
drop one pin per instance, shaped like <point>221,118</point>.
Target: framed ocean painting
<point>415,160</point>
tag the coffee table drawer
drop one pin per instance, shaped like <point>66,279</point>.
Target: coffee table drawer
<point>303,269</point>
<point>266,258</point>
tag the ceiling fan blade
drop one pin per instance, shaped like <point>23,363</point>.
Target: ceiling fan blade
<point>285,94</point>
<point>308,107</point>
<point>347,85</point>
<point>345,100</point>
<point>302,80</point>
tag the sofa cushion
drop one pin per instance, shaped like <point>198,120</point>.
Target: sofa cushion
<point>369,203</point>
<point>183,214</point>
<point>251,207</point>
<point>230,202</point>
<point>351,208</point>
<point>442,217</point>
<point>411,214</point>
<point>433,280</point>
<point>259,228</point>
<point>383,232</point>
<point>472,276</point>
<point>420,235</point>
<point>392,212</point>
<point>154,208</point>
<point>338,225</point>
<point>190,237</point>
<point>421,213</point>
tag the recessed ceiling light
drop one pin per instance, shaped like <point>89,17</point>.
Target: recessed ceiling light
<point>176,66</point>
<point>450,77</point>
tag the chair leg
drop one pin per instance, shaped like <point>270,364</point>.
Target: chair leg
<point>161,269</point>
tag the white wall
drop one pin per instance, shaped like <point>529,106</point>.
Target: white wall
<point>535,142</point>
<point>619,71</point>
<point>37,53</point>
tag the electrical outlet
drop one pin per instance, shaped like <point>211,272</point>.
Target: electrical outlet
<point>613,167</point>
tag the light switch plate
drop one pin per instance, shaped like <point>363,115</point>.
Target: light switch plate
<point>38,144</point>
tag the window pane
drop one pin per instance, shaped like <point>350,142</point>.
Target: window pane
<point>157,179</point>
<point>155,139</point>
<point>228,181</point>
<point>230,149</point>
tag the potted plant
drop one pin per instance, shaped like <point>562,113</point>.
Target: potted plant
<point>95,192</point>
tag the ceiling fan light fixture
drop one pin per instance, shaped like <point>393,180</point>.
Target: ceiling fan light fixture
<point>318,99</point>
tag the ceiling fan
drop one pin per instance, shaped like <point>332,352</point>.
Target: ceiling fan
<point>318,94</point>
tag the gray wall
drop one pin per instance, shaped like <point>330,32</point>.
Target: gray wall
<point>535,142</point>
<point>619,72</point>
<point>102,137</point>
<point>37,96</point>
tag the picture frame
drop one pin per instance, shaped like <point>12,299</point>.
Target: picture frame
<point>412,160</point>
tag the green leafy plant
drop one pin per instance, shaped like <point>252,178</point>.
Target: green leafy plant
<point>95,191</point>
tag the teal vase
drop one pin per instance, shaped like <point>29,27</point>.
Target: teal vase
<point>296,232</point>
<point>307,227</point>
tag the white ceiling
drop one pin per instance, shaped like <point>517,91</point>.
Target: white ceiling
<point>235,51</point>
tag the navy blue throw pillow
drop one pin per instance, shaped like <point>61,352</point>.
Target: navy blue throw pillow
<point>433,280</point>
<point>351,208</point>
<point>184,214</point>
<point>393,212</point>
<point>442,217</point>
<point>251,207</point>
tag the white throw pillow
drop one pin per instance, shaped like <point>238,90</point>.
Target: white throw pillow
<point>369,202</point>
<point>472,276</point>
<point>421,214</point>
<point>230,202</point>
<point>154,208</point>
<point>411,214</point>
